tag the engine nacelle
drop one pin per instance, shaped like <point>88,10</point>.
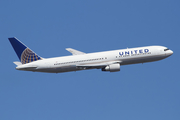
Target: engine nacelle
<point>112,68</point>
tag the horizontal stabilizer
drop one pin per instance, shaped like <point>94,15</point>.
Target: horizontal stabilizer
<point>75,52</point>
<point>17,63</point>
<point>26,67</point>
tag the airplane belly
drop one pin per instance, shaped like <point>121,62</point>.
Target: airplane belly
<point>142,59</point>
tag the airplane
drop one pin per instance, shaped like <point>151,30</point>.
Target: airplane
<point>106,61</point>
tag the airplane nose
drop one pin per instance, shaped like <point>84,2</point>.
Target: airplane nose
<point>169,52</point>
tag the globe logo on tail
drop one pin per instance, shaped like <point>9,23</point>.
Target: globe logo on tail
<point>29,56</point>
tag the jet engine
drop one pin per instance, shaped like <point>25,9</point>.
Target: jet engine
<point>112,68</point>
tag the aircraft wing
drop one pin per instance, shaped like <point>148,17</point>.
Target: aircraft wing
<point>75,52</point>
<point>97,65</point>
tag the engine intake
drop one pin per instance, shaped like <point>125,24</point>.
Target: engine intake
<point>112,68</point>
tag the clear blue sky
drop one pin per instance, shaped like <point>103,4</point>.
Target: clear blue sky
<point>138,92</point>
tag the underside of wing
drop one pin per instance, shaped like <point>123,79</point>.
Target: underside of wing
<point>97,65</point>
<point>75,52</point>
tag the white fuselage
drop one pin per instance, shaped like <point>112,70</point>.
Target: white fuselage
<point>98,60</point>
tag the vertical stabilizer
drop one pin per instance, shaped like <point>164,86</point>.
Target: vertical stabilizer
<point>24,54</point>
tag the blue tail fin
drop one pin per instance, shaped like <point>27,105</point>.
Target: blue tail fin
<point>25,54</point>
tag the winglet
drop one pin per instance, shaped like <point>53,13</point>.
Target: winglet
<point>24,54</point>
<point>75,52</point>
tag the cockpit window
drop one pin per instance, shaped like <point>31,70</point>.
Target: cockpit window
<point>166,49</point>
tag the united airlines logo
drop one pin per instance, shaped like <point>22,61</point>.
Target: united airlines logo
<point>134,52</point>
<point>29,56</point>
